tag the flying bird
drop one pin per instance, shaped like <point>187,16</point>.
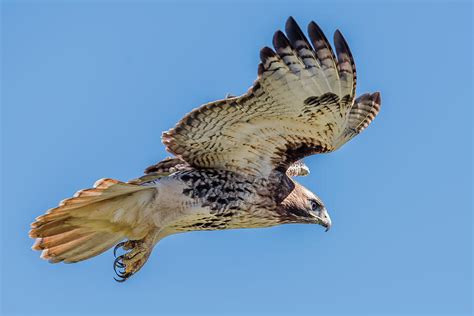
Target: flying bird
<point>233,160</point>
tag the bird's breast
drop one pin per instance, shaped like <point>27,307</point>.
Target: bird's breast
<point>214,199</point>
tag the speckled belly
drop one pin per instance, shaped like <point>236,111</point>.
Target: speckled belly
<point>215,200</point>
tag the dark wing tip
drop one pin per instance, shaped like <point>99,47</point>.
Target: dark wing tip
<point>291,25</point>
<point>341,44</point>
<point>266,53</point>
<point>377,98</point>
<point>339,40</point>
<point>280,40</point>
<point>318,38</point>
<point>314,30</point>
<point>294,31</point>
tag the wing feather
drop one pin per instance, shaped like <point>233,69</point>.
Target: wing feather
<point>363,112</point>
<point>325,56</point>
<point>307,55</point>
<point>345,65</point>
<point>302,103</point>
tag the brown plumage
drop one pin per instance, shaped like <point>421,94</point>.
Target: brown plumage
<point>233,162</point>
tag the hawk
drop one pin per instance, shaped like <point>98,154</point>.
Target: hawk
<point>233,160</point>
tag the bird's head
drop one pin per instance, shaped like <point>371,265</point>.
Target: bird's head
<point>303,206</point>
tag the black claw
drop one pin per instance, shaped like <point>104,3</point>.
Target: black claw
<point>120,269</point>
<point>118,263</point>
<point>120,244</point>
<point>123,276</point>
<point>119,274</point>
<point>119,266</point>
<point>120,280</point>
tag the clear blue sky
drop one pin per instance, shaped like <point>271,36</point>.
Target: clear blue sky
<point>89,87</point>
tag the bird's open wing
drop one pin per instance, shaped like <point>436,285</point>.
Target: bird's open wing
<point>301,104</point>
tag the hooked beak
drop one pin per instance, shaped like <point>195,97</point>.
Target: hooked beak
<point>324,219</point>
<point>327,225</point>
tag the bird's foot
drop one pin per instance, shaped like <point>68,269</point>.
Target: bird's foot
<point>130,262</point>
<point>125,245</point>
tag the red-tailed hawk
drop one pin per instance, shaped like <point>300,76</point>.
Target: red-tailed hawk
<point>233,162</point>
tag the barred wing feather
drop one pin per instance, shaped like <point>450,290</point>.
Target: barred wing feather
<point>302,103</point>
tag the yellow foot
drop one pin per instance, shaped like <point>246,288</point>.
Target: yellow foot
<point>129,263</point>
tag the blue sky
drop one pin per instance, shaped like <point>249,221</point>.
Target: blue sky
<point>88,87</point>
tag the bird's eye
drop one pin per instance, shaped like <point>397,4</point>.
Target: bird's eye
<point>315,206</point>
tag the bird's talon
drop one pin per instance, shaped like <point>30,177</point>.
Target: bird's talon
<point>130,262</point>
<point>120,244</point>
<point>125,245</point>
<point>118,259</point>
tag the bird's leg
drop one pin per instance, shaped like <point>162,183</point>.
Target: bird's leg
<point>125,245</point>
<point>130,262</point>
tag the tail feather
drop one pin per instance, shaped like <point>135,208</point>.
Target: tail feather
<point>59,239</point>
<point>96,246</point>
<point>92,221</point>
<point>50,227</point>
<point>59,253</point>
